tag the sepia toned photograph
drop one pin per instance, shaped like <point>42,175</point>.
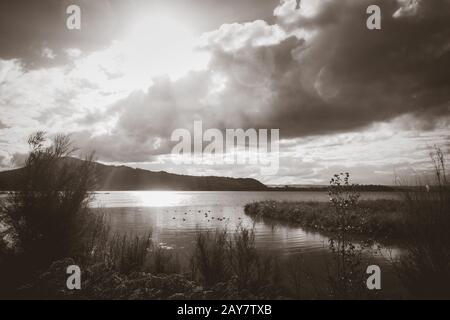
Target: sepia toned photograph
<point>244,152</point>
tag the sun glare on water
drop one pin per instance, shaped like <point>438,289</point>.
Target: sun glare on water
<point>160,198</point>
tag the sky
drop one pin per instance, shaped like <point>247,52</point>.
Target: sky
<point>344,98</point>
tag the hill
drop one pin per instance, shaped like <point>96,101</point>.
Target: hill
<point>115,178</point>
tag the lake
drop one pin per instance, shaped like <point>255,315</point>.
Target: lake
<point>175,217</point>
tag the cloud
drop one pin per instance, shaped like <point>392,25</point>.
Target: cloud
<point>315,72</point>
<point>312,70</point>
<point>73,52</point>
<point>27,26</point>
<point>48,53</point>
<point>407,8</point>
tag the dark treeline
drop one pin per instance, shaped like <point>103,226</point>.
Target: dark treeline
<point>359,187</point>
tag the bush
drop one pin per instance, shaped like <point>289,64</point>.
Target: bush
<point>48,214</point>
<point>345,273</point>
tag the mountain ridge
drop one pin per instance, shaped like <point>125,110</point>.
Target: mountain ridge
<point>124,178</point>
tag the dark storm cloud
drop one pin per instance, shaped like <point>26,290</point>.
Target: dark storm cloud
<point>349,76</point>
<point>146,120</point>
<point>118,147</point>
<point>342,78</point>
<point>28,28</point>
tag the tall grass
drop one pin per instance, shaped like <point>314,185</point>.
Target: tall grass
<point>209,258</point>
<point>163,261</point>
<point>231,264</point>
<point>424,269</point>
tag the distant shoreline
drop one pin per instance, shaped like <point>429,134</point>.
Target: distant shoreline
<point>361,188</point>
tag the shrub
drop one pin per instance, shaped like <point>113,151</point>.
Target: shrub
<point>346,274</point>
<point>48,213</point>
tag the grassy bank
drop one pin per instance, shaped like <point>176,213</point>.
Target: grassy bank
<point>222,266</point>
<point>378,219</point>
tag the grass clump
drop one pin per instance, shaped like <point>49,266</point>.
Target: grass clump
<point>232,267</point>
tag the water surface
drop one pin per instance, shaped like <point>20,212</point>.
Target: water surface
<point>175,217</point>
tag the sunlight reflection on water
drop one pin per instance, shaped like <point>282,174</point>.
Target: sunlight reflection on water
<point>175,217</point>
